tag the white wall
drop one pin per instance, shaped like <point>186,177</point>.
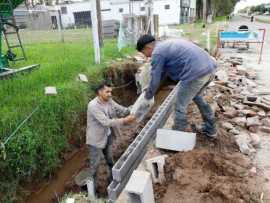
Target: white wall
<point>110,10</point>
<point>167,16</point>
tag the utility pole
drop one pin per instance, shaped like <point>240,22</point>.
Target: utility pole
<point>150,23</point>
<point>205,11</point>
<point>95,31</point>
<point>100,33</point>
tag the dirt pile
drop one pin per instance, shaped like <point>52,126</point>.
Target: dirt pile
<point>215,171</point>
<point>203,176</point>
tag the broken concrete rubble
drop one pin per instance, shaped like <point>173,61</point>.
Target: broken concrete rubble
<point>247,113</point>
<point>231,112</point>
<point>240,121</point>
<point>265,129</point>
<point>222,75</point>
<point>253,121</point>
<point>234,131</point>
<point>253,129</point>
<point>266,122</point>
<point>227,126</point>
<point>243,141</point>
<point>255,140</point>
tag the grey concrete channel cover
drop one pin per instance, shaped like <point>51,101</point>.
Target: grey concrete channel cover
<point>134,154</point>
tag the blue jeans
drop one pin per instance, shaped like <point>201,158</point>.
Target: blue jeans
<point>193,91</point>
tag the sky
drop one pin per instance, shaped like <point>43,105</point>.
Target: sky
<point>244,3</point>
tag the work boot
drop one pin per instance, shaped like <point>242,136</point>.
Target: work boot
<point>201,129</point>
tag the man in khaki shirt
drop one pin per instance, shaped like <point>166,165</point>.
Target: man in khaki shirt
<point>103,114</point>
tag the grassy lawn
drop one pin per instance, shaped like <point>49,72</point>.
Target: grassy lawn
<point>195,32</point>
<point>34,150</point>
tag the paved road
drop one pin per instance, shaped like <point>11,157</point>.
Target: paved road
<point>265,18</point>
<point>262,158</point>
<point>252,56</point>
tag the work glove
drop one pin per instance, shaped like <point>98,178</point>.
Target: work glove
<point>141,107</point>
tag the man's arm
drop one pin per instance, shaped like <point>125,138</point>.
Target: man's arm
<point>157,73</point>
<point>120,110</point>
<point>103,119</point>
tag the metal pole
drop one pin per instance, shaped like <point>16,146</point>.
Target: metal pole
<point>59,25</point>
<point>95,31</point>
<point>260,58</point>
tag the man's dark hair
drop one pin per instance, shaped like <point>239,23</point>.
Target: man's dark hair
<point>101,86</point>
<point>144,40</point>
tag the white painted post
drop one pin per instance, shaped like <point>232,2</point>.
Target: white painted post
<point>59,25</point>
<point>208,41</point>
<point>95,31</point>
<point>152,17</point>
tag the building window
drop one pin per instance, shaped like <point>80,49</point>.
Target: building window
<point>121,10</point>
<point>64,10</point>
<point>167,6</point>
<point>142,8</point>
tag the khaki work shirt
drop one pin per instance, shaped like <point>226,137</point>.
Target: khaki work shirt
<point>100,118</point>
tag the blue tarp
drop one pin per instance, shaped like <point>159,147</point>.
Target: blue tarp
<point>238,36</point>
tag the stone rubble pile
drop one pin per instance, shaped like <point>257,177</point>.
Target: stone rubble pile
<point>242,102</point>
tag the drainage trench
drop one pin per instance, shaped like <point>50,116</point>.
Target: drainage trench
<point>125,93</point>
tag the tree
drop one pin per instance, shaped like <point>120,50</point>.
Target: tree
<point>216,7</point>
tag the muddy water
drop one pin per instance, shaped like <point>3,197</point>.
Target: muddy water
<point>56,187</point>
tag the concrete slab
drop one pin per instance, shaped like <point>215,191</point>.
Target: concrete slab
<point>175,140</point>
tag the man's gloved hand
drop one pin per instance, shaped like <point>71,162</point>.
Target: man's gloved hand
<point>129,119</point>
<point>141,107</point>
<point>146,103</point>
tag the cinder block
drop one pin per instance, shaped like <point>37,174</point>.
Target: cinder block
<point>50,91</point>
<point>91,189</point>
<point>139,188</point>
<point>156,167</point>
<point>70,200</point>
<point>175,140</point>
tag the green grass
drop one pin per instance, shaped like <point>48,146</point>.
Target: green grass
<point>195,32</point>
<point>34,151</point>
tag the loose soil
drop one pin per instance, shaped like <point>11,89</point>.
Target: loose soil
<point>214,172</point>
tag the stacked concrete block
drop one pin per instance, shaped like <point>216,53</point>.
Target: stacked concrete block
<point>133,155</point>
<point>139,188</point>
<point>156,167</point>
<point>175,140</point>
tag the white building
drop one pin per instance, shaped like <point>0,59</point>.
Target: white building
<point>169,11</point>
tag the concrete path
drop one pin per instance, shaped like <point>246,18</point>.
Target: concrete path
<point>262,158</point>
